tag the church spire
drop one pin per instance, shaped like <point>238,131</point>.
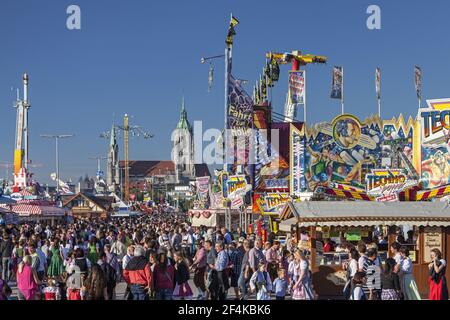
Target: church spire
<point>183,123</point>
<point>113,138</point>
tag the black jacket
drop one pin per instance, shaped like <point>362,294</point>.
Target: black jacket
<point>6,248</point>
<point>181,274</point>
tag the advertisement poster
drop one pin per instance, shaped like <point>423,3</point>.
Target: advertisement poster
<point>272,159</point>
<point>202,184</point>
<point>297,86</point>
<point>387,183</point>
<point>342,151</point>
<point>237,186</point>
<point>435,124</point>
<point>270,203</point>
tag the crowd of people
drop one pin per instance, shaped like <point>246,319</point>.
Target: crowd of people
<point>157,255</point>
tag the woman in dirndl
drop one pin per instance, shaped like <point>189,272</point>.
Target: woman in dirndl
<point>390,284</point>
<point>182,289</point>
<point>437,280</point>
<point>408,283</point>
<point>302,289</point>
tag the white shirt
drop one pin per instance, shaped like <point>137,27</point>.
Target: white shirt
<point>398,258</point>
<point>125,261</point>
<point>303,265</point>
<point>353,266</point>
<point>361,262</point>
<point>358,293</point>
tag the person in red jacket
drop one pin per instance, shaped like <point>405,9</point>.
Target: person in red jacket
<point>138,275</point>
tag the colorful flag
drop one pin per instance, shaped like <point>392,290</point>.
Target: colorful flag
<point>240,121</point>
<point>378,82</point>
<point>263,85</point>
<point>274,70</point>
<point>297,86</point>
<point>418,78</point>
<point>336,89</point>
<point>231,33</point>
<point>240,106</point>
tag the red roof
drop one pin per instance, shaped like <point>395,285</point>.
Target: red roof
<point>161,167</point>
<point>150,168</point>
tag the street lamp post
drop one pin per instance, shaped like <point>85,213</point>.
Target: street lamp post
<point>57,137</point>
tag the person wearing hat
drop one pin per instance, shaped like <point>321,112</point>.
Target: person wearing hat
<point>199,268</point>
<point>6,250</point>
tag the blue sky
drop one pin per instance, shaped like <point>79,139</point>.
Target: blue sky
<point>139,57</point>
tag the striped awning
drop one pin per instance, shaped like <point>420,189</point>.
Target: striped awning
<point>433,193</point>
<point>23,209</point>
<point>347,194</point>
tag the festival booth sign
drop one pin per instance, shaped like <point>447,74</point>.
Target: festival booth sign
<point>321,220</point>
<point>237,187</point>
<point>270,203</point>
<point>435,159</point>
<point>386,184</point>
<point>343,150</point>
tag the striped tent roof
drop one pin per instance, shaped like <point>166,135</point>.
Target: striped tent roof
<point>26,209</point>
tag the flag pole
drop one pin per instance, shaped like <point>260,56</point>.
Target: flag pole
<point>228,59</point>
<point>304,96</point>
<point>379,108</point>
<point>342,93</point>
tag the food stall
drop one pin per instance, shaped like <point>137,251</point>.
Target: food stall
<point>38,210</point>
<point>340,222</point>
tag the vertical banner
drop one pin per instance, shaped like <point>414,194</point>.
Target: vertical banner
<point>378,82</point>
<point>297,163</point>
<point>240,122</point>
<point>297,87</point>
<point>336,87</point>
<point>202,185</point>
<point>418,81</point>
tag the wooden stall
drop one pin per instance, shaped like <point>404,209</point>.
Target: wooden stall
<point>313,224</point>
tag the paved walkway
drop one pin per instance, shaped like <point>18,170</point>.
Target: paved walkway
<point>121,286</point>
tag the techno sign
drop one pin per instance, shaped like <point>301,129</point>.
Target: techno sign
<point>435,153</point>
<point>386,182</point>
<point>275,200</point>
<point>237,186</point>
<point>435,121</point>
<point>270,203</point>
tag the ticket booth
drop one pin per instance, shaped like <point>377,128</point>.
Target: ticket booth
<point>425,225</point>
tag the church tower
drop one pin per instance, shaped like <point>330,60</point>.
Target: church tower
<point>183,147</point>
<point>112,178</point>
